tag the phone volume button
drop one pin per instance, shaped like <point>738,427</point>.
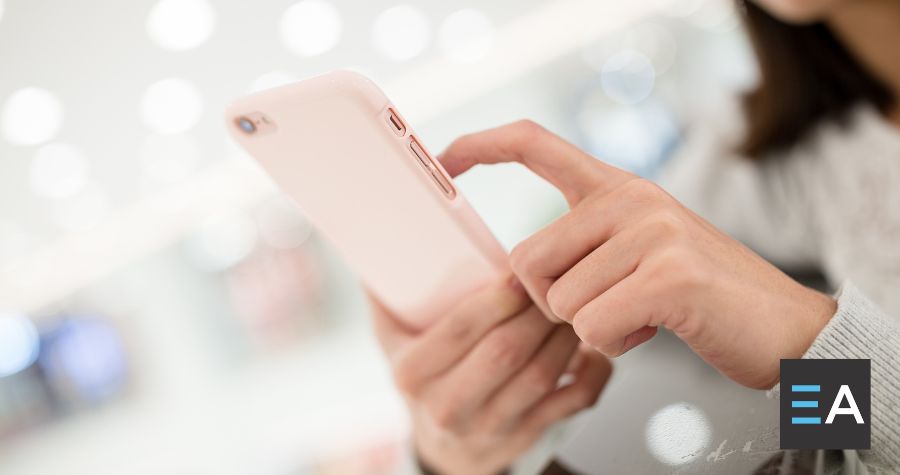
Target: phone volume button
<point>436,175</point>
<point>442,182</point>
<point>420,154</point>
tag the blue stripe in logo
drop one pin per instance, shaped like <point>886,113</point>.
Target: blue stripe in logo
<point>804,403</point>
<point>805,388</point>
<point>806,420</point>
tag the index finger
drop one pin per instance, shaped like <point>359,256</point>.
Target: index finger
<point>575,173</point>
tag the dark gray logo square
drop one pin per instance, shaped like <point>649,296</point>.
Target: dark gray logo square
<point>825,404</point>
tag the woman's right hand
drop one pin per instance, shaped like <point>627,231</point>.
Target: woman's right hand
<point>481,383</point>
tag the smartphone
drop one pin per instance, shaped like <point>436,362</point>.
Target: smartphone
<point>337,146</point>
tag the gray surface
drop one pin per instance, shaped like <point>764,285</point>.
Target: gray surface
<point>742,422</point>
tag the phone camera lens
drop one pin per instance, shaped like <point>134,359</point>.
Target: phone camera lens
<point>246,125</point>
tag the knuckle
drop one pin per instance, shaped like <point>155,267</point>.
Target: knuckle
<point>521,258</point>
<point>601,341</point>
<point>528,130</point>
<point>588,333</point>
<point>540,379</point>
<point>558,303</point>
<point>673,259</point>
<point>587,396</point>
<point>641,189</point>
<point>460,331</point>
<point>680,269</point>
<point>488,426</point>
<point>694,277</point>
<point>665,223</point>
<point>504,353</point>
<point>506,305</point>
<point>443,415</point>
<point>404,377</point>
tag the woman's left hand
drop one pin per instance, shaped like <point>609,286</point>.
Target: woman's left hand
<point>629,258</point>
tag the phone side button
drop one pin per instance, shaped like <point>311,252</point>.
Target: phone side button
<point>446,186</point>
<point>431,168</point>
<point>420,154</point>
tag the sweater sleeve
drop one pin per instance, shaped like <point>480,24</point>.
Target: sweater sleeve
<point>859,329</point>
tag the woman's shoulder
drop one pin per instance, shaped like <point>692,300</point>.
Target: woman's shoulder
<point>714,129</point>
<point>863,126</point>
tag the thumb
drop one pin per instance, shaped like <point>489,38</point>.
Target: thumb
<point>575,173</point>
<point>391,333</point>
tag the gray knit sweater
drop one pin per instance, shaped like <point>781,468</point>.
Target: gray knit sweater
<point>860,329</point>
<point>831,203</point>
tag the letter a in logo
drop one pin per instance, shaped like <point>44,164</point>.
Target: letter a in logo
<point>836,408</point>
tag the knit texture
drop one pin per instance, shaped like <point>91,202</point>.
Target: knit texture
<point>859,329</point>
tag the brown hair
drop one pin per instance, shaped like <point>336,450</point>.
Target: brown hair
<point>806,76</point>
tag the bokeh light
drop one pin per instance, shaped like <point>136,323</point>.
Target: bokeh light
<point>634,138</point>
<point>169,158</point>
<point>271,79</point>
<point>222,241</point>
<point>58,171</point>
<point>628,77</point>
<point>653,40</point>
<point>19,343</point>
<point>466,35</point>
<point>657,43</point>
<point>179,25</point>
<point>31,116</point>
<point>109,148</point>
<point>310,27</point>
<point>83,211</point>
<point>86,354</point>
<point>677,433</point>
<point>401,33</point>
<point>171,106</point>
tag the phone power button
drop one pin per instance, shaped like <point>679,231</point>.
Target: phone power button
<point>432,169</point>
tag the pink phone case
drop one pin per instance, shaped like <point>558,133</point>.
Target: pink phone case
<point>336,145</point>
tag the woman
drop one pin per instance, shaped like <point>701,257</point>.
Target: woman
<point>809,177</point>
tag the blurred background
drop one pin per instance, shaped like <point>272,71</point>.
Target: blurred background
<point>163,309</point>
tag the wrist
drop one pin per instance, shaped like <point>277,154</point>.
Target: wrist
<point>798,317</point>
<point>811,311</point>
<point>451,464</point>
<point>819,308</point>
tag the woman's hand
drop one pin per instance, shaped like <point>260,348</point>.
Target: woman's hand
<point>629,258</point>
<point>481,383</point>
